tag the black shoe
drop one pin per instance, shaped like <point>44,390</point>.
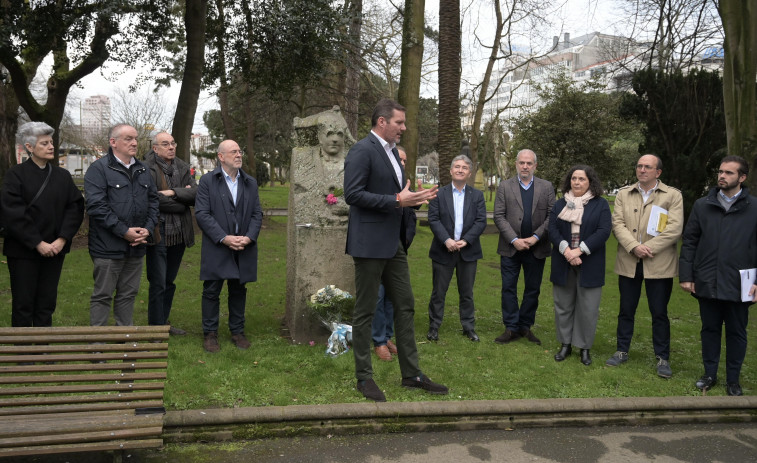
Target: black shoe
<point>733,389</point>
<point>585,357</point>
<point>176,331</point>
<point>433,334</point>
<point>370,390</point>
<point>526,333</point>
<point>565,351</point>
<point>423,382</point>
<point>706,382</point>
<point>471,335</point>
<point>507,336</point>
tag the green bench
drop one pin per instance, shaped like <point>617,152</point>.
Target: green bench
<point>81,389</point>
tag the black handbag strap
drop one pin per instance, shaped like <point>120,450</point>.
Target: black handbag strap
<point>42,188</point>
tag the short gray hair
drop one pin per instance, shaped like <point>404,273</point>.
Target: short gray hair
<point>31,131</point>
<point>115,131</point>
<point>462,157</point>
<point>536,161</point>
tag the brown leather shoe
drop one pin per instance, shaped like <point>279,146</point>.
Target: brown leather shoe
<point>507,336</point>
<point>528,334</point>
<point>383,353</point>
<point>240,341</point>
<point>392,347</point>
<point>210,343</point>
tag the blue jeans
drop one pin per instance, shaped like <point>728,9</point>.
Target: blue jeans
<point>163,264</point>
<point>382,328</point>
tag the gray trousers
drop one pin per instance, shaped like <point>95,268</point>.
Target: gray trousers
<point>121,276</point>
<point>576,311</point>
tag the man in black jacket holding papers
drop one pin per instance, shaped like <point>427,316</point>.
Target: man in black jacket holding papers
<point>719,242</point>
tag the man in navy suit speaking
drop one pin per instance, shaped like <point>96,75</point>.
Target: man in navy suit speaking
<point>376,189</point>
<point>457,218</point>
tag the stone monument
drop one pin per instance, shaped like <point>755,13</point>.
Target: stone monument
<point>317,225</point>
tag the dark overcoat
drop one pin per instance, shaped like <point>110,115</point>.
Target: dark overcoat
<point>216,215</point>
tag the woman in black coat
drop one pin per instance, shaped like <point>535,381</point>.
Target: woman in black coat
<point>579,225</point>
<point>42,210</point>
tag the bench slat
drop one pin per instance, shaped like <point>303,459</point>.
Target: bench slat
<point>75,409</point>
<point>96,436</point>
<point>84,330</point>
<point>85,447</point>
<point>74,388</point>
<point>50,425</point>
<point>71,367</point>
<point>86,357</point>
<point>68,348</point>
<point>35,379</point>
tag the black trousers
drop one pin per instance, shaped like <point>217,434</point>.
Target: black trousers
<point>735,315</point>
<point>658,296</point>
<point>441,277</point>
<point>34,288</point>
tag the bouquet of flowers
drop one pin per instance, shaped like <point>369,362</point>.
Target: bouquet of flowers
<point>333,306</point>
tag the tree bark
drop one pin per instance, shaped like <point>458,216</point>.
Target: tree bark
<point>352,69</point>
<point>409,91</point>
<point>195,24</point>
<point>449,85</point>
<point>481,100</point>
<point>739,73</point>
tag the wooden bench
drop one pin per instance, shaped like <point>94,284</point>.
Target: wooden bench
<point>81,389</point>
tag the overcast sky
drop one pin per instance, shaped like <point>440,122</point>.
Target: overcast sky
<point>577,17</point>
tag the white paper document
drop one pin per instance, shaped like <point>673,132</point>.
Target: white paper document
<point>658,219</point>
<point>747,280</point>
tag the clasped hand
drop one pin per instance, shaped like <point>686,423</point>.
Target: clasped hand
<point>236,243</point>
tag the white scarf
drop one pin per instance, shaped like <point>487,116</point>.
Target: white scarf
<point>573,211</point>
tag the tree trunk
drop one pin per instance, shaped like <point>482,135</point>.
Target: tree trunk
<point>352,67</point>
<point>8,125</point>
<point>249,120</point>
<point>449,85</point>
<point>739,72</point>
<point>410,79</point>
<point>195,24</point>
<point>481,100</point>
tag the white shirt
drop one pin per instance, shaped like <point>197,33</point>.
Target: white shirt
<point>458,198</point>
<point>388,147</point>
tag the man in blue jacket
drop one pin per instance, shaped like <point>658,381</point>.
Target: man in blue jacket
<point>122,204</point>
<point>227,209</point>
<point>719,241</point>
<point>457,217</point>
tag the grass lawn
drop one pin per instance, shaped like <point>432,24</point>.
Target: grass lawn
<point>275,372</point>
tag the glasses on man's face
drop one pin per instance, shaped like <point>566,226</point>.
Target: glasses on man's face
<point>645,167</point>
<point>168,144</point>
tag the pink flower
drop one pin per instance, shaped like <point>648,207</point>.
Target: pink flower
<point>331,199</point>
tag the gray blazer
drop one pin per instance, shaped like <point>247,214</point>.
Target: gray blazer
<point>508,215</point>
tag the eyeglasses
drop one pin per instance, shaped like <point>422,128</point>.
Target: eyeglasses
<point>167,144</point>
<point>645,167</point>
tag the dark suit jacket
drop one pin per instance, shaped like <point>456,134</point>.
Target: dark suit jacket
<point>441,219</point>
<point>370,188</point>
<point>508,215</point>
<point>215,212</point>
<point>596,225</point>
